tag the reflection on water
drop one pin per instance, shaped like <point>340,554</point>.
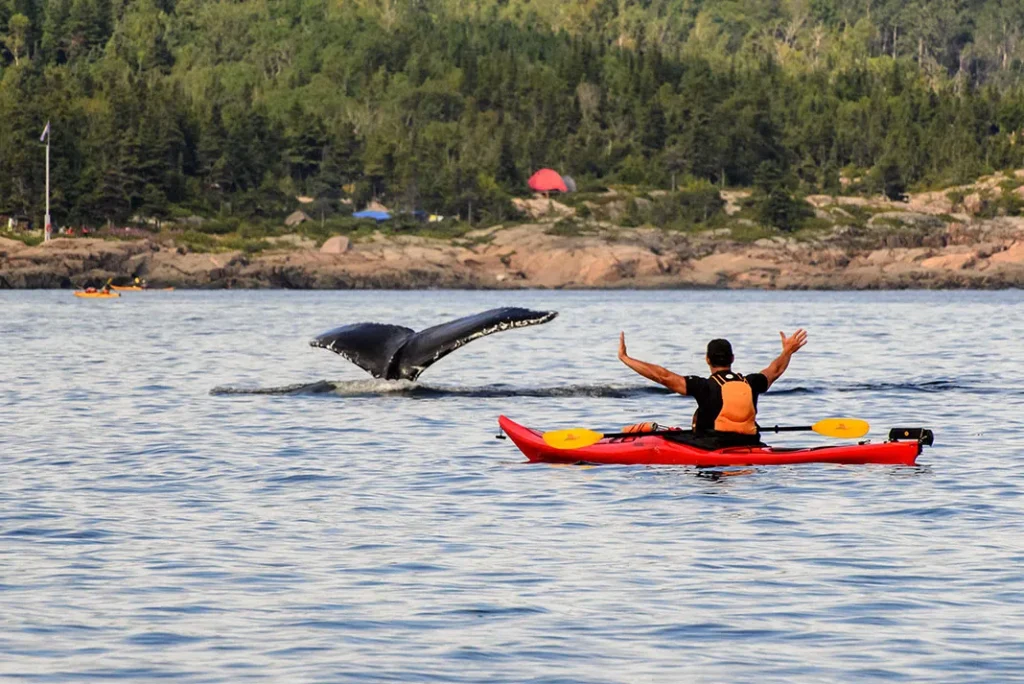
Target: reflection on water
<point>179,499</point>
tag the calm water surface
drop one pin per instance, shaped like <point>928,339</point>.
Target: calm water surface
<point>179,500</point>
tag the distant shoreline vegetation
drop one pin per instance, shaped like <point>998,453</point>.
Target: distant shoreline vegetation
<point>169,109</point>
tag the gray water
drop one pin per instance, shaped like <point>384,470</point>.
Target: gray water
<point>189,491</point>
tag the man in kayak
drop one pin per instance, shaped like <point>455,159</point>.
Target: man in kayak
<point>726,401</point>
<point>103,290</point>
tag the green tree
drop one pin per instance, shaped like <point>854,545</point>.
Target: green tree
<point>773,199</point>
<point>888,179</point>
<point>18,36</point>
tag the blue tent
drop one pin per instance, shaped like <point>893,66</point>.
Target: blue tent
<point>377,216</point>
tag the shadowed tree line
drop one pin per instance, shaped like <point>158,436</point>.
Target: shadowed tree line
<point>168,108</point>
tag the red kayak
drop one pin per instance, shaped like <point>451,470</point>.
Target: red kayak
<point>657,450</point>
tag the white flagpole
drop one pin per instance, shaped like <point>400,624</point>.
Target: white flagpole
<point>49,227</point>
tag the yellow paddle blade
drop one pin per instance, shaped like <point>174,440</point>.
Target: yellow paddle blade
<point>844,428</point>
<point>573,438</point>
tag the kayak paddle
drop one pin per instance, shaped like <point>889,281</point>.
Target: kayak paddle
<point>843,428</point>
<point>577,438</point>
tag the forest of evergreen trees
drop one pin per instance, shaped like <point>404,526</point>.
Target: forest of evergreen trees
<point>175,107</point>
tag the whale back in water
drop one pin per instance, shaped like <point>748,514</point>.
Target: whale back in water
<point>395,352</point>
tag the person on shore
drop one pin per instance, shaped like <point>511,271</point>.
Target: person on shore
<point>726,401</point>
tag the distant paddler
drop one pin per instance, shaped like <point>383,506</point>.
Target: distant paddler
<point>136,285</point>
<point>102,292</point>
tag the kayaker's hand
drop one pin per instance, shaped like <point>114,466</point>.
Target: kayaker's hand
<point>793,344</point>
<point>676,383</point>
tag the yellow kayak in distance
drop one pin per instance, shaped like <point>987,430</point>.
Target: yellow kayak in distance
<point>136,288</point>
<point>97,295</point>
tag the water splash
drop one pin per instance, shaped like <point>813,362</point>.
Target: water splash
<point>365,388</point>
<point>378,387</point>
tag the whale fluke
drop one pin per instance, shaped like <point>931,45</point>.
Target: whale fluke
<point>371,346</point>
<point>394,352</point>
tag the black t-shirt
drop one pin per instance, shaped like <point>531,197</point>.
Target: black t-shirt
<point>708,394</point>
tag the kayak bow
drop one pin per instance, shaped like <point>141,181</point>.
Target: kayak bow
<point>903,448</point>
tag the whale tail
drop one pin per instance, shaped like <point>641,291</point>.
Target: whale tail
<point>371,346</point>
<point>394,352</point>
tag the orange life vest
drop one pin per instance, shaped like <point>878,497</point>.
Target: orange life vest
<point>738,413</point>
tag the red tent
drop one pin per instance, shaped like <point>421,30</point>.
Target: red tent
<point>547,180</point>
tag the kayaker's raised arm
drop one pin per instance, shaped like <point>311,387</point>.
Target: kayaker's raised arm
<point>790,346</point>
<point>676,383</point>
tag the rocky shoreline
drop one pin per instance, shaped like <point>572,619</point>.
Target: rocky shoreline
<point>987,254</point>
<point>903,245</point>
